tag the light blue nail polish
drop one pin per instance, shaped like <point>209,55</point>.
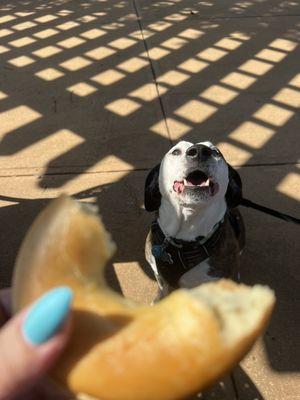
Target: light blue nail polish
<point>47,315</point>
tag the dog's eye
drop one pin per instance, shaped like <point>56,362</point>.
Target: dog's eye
<point>215,152</point>
<point>176,152</point>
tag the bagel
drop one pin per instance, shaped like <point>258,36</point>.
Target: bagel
<point>120,350</point>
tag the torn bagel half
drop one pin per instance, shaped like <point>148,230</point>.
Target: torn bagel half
<point>120,350</point>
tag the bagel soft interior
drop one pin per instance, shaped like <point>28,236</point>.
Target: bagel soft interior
<point>120,350</point>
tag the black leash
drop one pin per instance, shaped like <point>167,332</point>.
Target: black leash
<point>285,217</point>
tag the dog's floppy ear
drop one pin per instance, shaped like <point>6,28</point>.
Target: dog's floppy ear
<point>234,192</point>
<point>152,196</point>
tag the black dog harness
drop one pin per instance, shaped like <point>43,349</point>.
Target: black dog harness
<point>182,255</point>
<point>175,257</point>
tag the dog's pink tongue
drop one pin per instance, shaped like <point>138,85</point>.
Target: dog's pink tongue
<point>178,186</point>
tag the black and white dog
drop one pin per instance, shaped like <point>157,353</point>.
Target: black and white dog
<point>198,232</point>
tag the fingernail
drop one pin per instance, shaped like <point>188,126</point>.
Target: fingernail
<point>47,315</point>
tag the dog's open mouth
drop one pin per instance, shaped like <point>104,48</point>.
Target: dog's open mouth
<point>196,180</point>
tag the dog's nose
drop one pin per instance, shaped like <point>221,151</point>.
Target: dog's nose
<point>198,151</point>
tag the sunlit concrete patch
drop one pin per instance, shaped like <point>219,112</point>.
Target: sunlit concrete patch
<point>219,94</point>
<point>46,33</point>
<point>148,92</point>
<point>21,61</point>
<point>71,42</point>
<point>16,118</point>
<point>173,78</point>
<point>82,89</point>
<point>155,53</point>
<point>93,33</point>
<point>47,148</point>
<point>177,128</point>
<point>238,80</point>
<point>113,26</point>
<point>64,13</point>
<point>6,18</point>
<point>24,41</point>
<point>25,13</point>
<point>99,13</point>
<point>160,128</point>
<point>5,32</point>
<point>143,293</point>
<point>283,44</point>
<point>111,163</point>
<point>108,77</point>
<point>86,18</point>
<point>5,203</point>
<point>3,95</point>
<point>46,52</point>
<point>49,74</point>
<point>123,107</point>
<point>100,52</point>
<point>228,44</point>
<point>290,186</point>
<point>28,187</point>
<point>176,17</point>
<point>191,33</point>
<point>75,64</point>
<point>159,26</point>
<point>141,35</point>
<point>46,18</point>
<point>252,134</point>
<point>272,384</point>
<point>273,115</point>
<point>4,49</point>
<point>289,97</point>
<point>195,111</point>
<point>271,55</point>
<point>193,65</point>
<point>24,25</point>
<point>240,35</point>
<point>295,81</point>
<point>128,17</point>
<point>233,153</point>
<point>256,67</point>
<point>133,64</point>
<point>212,54</point>
<point>122,43</point>
<point>174,43</point>
<point>67,25</point>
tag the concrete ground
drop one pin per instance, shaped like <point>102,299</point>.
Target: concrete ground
<point>92,93</point>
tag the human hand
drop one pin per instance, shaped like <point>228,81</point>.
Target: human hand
<point>30,343</point>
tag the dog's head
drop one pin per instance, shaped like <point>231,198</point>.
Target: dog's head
<point>192,175</point>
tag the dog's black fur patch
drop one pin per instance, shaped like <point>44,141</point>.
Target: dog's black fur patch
<point>152,196</point>
<point>234,192</point>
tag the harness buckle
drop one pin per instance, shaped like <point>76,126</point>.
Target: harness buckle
<point>159,252</point>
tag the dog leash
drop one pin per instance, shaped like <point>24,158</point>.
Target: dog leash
<point>266,210</point>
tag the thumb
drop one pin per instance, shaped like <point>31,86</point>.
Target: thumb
<point>32,340</point>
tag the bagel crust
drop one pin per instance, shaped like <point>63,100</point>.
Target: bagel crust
<point>120,350</point>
